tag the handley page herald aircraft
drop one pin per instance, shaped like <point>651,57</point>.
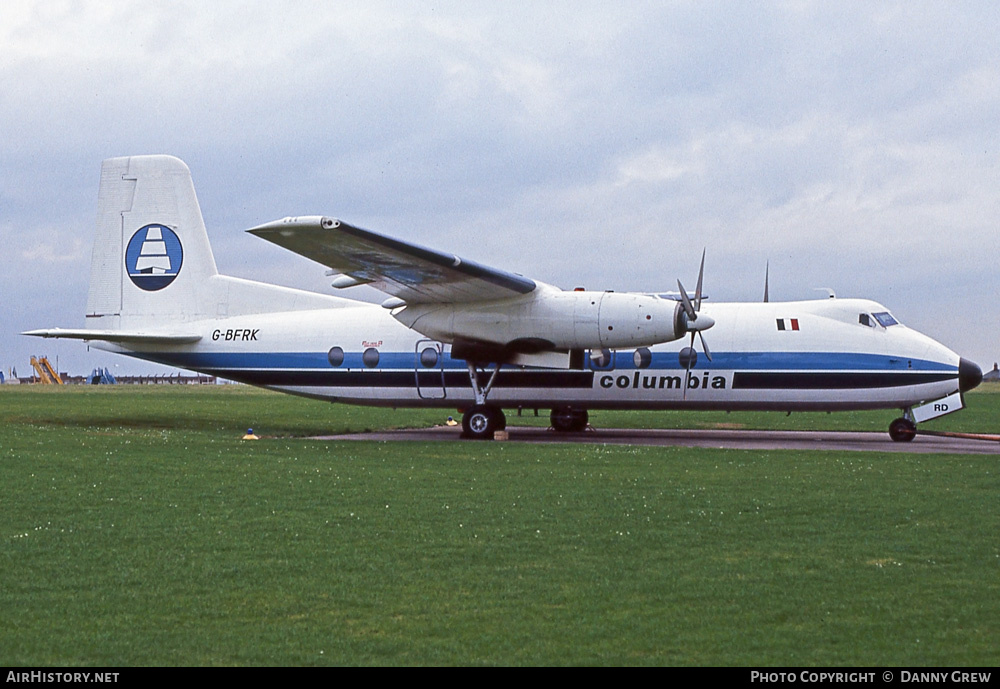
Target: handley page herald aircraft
<point>454,333</point>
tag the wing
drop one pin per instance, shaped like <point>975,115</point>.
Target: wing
<point>415,274</point>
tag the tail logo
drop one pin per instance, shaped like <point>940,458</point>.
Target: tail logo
<point>153,257</point>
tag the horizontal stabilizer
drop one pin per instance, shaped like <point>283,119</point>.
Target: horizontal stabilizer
<point>116,336</point>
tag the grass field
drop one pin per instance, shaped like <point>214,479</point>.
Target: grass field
<point>137,529</point>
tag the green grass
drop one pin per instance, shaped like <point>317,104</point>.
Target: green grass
<point>137,529</point>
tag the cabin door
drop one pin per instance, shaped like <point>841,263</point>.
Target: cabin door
<point>429,370</point>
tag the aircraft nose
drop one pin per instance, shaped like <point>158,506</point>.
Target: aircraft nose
<point>969,375</point>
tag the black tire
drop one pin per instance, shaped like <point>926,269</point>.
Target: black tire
<point>902,430</point>
<point>569,419</point>
<point>482,421</point>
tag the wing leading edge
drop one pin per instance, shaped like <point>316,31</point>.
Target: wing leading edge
<point>413,273</point>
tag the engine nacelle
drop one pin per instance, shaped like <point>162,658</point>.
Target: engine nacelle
<point>551,319</point>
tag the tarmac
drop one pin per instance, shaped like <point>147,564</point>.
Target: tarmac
<point>924,443</point>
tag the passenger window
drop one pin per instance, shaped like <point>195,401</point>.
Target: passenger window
<point>429,357</point>
<point>370,357</point>
<point>601,359</point>
<point>335,356</point>
<point>642,357</point>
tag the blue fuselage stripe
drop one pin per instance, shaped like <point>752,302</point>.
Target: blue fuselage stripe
<point>721,361</point>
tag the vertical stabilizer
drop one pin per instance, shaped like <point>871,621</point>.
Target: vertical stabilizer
<point>151,256</point>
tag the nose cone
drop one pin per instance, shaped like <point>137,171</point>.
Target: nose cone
<point>969,375</point>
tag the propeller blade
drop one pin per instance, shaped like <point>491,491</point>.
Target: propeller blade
<point>701,274</point>
<point>691,311</point>
<point>687,368</point>
<point>686,301</point>
<point>704,346</point>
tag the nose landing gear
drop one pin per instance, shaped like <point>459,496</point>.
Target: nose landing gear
<point>902,430</point>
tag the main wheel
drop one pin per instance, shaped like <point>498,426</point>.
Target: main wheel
<point>568,419</point>
<point>902,430</point>
<point>482,421</point>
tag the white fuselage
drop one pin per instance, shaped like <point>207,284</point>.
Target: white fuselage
<point>812,355</point>
<point>460,334</point>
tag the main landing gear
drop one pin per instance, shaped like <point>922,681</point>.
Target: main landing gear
<point>482,420</point>
<point>569,419</point>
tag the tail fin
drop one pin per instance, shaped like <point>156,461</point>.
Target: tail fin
<point>151,254</point>
<point>153,270</point>
<point>153,267</point>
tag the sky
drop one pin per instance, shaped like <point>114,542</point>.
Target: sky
<point>848,145</point>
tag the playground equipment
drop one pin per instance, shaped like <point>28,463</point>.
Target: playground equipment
<point>101,376</point>
<point>44,371</point>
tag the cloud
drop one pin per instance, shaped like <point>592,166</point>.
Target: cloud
<point>48,254</point>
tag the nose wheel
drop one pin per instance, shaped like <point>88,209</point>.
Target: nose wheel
<point>902,430</point>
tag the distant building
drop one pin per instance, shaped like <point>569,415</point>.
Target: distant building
<point>992,376</point>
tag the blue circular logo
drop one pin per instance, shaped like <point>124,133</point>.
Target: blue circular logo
<point>153,257</point>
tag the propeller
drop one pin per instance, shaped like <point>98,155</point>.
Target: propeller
<point>695,324</point>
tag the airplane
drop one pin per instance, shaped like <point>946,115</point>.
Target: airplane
<point>453,333</point>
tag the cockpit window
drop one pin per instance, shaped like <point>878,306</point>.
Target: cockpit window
<point>885,319</point>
